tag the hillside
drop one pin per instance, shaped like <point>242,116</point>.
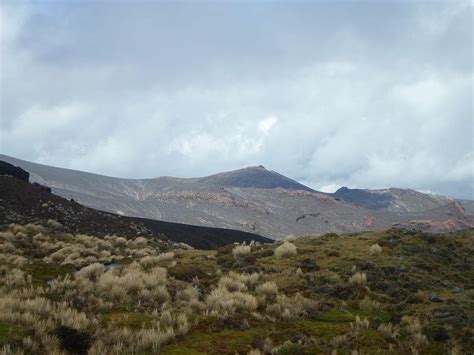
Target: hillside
<point>395,200</point>
<point>392,292</point>
<point>253,199</point>
<point>253,177</point>
<point>22,202</point>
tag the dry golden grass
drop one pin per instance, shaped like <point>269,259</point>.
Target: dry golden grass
<point>286,249</point>
<point>359,278</point>
<point>241,250</point>
<point>141,296</point>
<point>375,249</point>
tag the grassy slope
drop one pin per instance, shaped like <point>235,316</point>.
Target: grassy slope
<point>411,268</point>
<point>426,262</point>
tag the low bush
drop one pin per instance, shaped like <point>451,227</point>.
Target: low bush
<point>359,279</point>
<point>222,303</point>
<point>72,340</point>
<point>62,293</point>
<point>285,250</point>
<point>268,289</point>
<point>54,224</point>
<point>308,265</point>
<point>241,250</point>
<point>369,305</point>
<point>438,333</point>
<point>375,249</point>
<point>389,331</point>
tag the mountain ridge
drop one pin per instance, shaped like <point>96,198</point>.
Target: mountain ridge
<point>393,199</point>
<point>251,199</point>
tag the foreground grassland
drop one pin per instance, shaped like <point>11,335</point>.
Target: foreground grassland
<point>391,292</point>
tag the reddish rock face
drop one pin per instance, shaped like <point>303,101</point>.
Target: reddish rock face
<point>369,221</point>
<point>459,208</point>
<point>437,227</point>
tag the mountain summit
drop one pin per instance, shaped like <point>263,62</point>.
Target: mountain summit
<point>252,199</point>
<point>256,177</point>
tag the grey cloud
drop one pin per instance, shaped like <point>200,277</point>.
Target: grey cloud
<point>351,93</point>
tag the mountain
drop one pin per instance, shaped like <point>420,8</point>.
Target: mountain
<point>253,199</point>
<point>22,202</point>
<point>253,177</point>
<point>393,199</point>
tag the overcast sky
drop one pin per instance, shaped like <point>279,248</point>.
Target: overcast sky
<point>360,94</point>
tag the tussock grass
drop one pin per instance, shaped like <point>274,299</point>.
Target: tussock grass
<point>359,279</point>
<point>375,249</point>
<point>142,296</point>
<point>285,250</point>
<point>241,250</point>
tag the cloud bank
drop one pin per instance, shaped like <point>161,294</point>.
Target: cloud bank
<point>355,94</point>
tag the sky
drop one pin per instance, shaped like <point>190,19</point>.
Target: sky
<point>344,93</point>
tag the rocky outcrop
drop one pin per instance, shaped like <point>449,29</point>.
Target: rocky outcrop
<point>437,227</point>
<point>12,170</point>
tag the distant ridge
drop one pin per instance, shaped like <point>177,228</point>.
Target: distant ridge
<point>252,199</point>
<point>393,199</point>
<point>252,176</point>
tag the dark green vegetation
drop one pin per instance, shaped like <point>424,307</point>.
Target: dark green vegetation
<point>337,293</point>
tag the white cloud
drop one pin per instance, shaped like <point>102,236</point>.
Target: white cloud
<point>424,95</point>
<point>12,19</point>
<point>329,188</point>
<point>304,93</point>
<point>266,124</point>
<point>435,21</point>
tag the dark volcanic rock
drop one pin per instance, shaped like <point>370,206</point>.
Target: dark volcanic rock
<point>73,340</point>
<point>364,198</point>
<point>15,171</point>
<point>246,264</point>
<point>435,298</point>
<point>45,188</point>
